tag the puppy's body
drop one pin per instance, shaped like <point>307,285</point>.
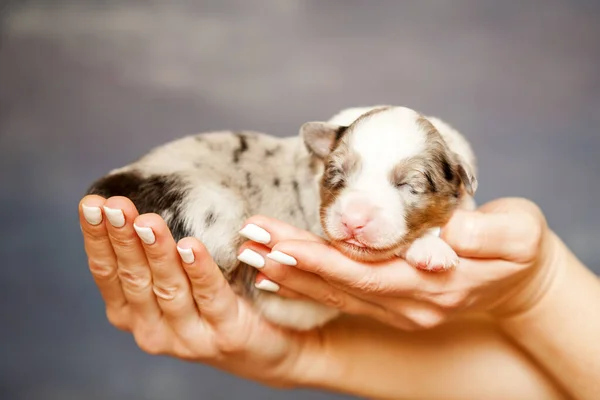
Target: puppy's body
<point>207,185</point>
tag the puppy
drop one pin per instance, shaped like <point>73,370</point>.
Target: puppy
<point>376,182</point>
<point>392,178</point>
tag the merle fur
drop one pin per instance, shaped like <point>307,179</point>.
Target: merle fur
<point>243,147</point>
<point>161,194</point>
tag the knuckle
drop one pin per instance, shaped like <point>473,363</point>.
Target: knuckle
<point>124,241</point>
<point>532,239</point>
<point>95,234</point>
<point>199,281</point>
<point>471,237</point>
<point>117,319</point>
<point>102,269</point>
<point>168,293</point>
<point>206,289</point>
<point>278,273</point>
<point>159,256</point>
<point>137,280</point>
<point>334,300</point>
<point>230,344</point>
<point>204,296</point>
<point>450,301</point>
<point>425,319</point>
<point>149,342</point>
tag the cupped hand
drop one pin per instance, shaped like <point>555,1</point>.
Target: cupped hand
<point>506,264</point>
<point>174,299</point>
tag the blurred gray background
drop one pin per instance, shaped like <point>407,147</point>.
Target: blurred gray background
<point>90,85</point>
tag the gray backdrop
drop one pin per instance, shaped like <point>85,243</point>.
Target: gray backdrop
<point>90,85</point>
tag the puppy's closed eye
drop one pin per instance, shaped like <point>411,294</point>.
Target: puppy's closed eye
<point>414,180</point>
<point>414,187</point>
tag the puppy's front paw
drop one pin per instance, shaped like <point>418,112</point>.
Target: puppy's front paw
<point>431,253</point>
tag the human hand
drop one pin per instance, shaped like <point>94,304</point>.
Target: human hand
<point>180,304</point>
<point>506,264</point>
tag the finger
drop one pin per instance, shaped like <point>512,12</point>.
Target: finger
<point>281,290</point>
<point>383,283</point>
<point>169,281</point>
<point>511,235</point>
<point>301,282</point>
<point>133,269</point>
<point>394,276</point>
<point>270,231</point>
<point>101,257</point>
<point>397,315</point>
<point>411,314</point>
<point>216,300</point>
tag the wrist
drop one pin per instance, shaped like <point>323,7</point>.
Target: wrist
<point>560,330</point>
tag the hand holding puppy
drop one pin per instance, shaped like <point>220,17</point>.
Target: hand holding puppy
<point>506,264</point>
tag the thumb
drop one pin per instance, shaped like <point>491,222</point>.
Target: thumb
<point>512,235</point>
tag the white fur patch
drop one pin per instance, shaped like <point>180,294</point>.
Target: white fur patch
<point>293,313</point>
<point>381,141</point>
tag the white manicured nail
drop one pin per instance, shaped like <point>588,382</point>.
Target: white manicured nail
<point>252,258</point>
<point>282,258</point>
<point>93,215</point>
<point>256,233</point>
<point>187,255</point>
<point>145,233</point>
<point>267,285</point>
<point>115,217</point>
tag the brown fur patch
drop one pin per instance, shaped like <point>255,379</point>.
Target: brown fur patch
<point>340,164</point>
<point>435,177</point>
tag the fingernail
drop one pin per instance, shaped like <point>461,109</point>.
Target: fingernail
<point>115,217</point>
<point>187,255</point>
<point>93,215</point>
<point>145,233</point>
<point>256,233</point>
<point>252,258</point>
<point>282,258</point>
<point>267,285</point>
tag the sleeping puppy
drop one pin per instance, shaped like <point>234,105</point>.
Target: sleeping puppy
<point>392,177</point>
<point>376,182</point>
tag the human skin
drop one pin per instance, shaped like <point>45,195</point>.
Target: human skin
<point>513,269</point>
<point>187,310</point>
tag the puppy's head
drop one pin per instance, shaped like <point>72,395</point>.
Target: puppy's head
<point>387,178</point>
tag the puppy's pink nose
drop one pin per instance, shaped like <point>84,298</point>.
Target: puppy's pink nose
<point>356,216</point>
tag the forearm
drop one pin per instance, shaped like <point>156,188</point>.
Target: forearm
<point>562,331</point>
<point>467,359</point>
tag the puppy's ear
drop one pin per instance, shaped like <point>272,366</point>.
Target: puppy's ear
<point>321,137</point>
<point>466,174</point>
